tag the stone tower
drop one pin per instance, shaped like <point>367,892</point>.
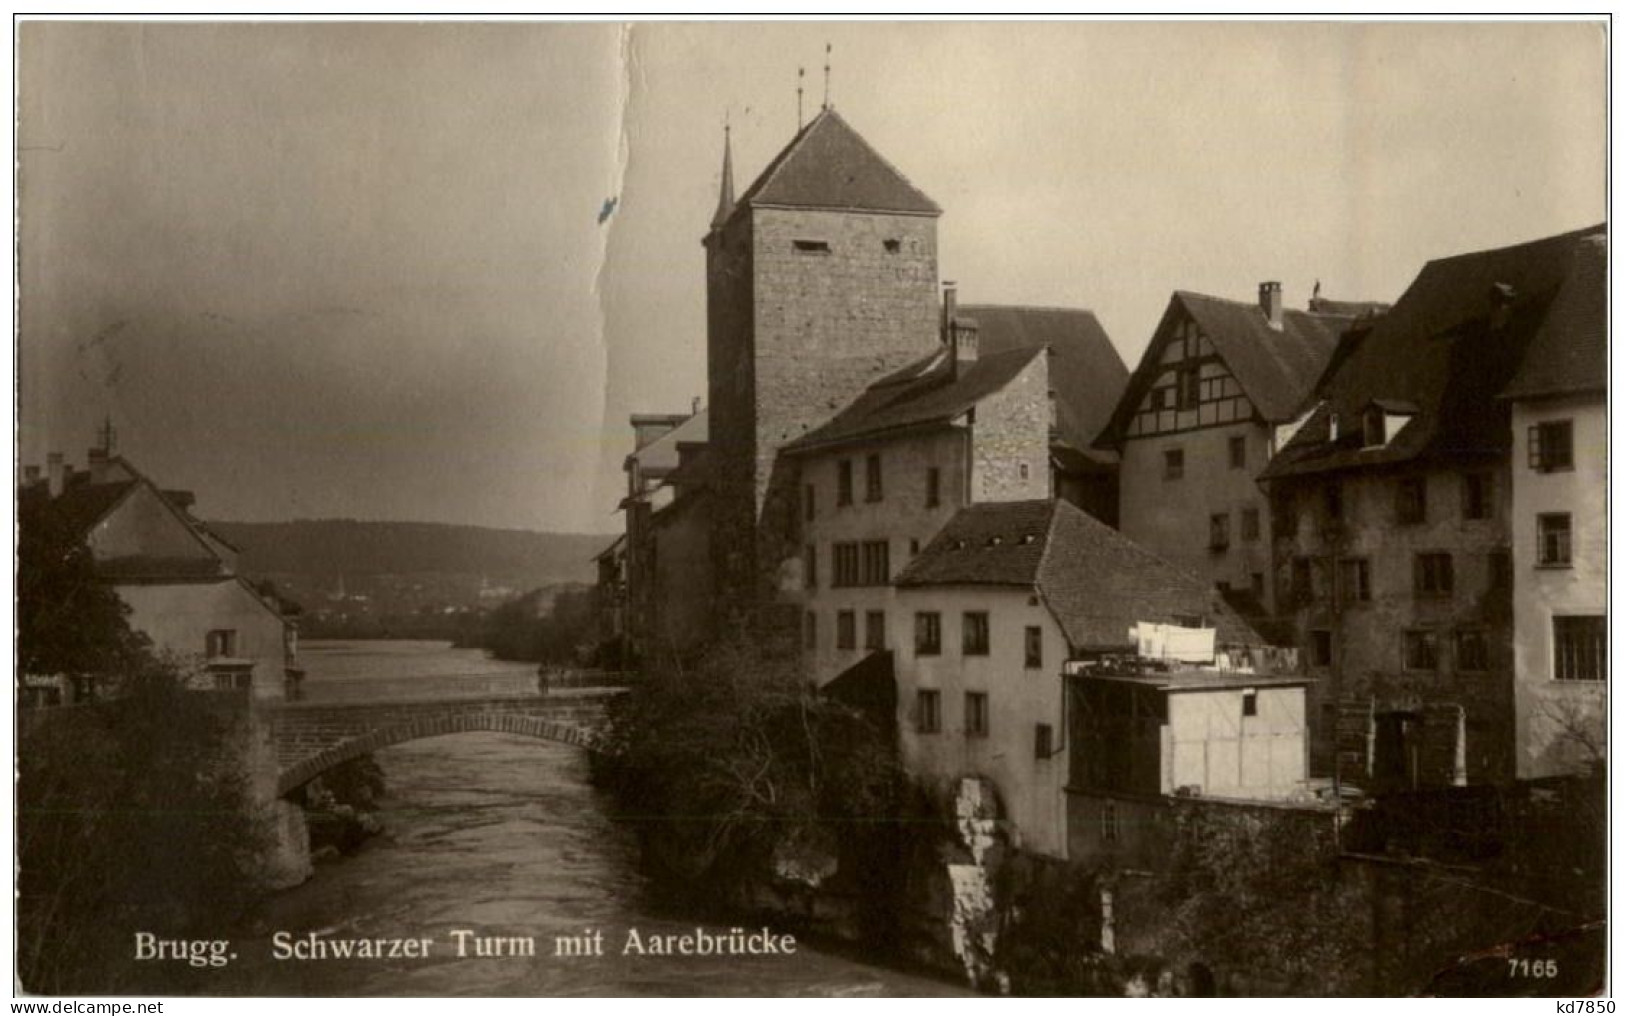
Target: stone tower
<point>820,279</point>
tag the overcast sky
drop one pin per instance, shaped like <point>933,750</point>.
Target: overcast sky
<point>357,270</point>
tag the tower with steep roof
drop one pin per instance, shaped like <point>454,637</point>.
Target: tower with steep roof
<point>821,277</point>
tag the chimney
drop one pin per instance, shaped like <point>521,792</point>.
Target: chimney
<point>98,462</point>
<point>1269,301</point>
<point>695,411</point>
<point>950,307</point>
<point>56,473</point>
<point>964,339</point>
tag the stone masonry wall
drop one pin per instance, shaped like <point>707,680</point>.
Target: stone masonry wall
<point>1011,439</point>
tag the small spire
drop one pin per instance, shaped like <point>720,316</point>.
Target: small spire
<point>801,78</point>
<point>725,198</point>
<point>827,49</point>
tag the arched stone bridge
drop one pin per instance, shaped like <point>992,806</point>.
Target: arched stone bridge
<point>310,738</point>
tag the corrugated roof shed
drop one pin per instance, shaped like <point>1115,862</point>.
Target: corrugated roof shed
<point>1096,582</point>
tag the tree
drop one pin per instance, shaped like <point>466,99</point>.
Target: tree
<point>132,815</point>
<point>68,621</point>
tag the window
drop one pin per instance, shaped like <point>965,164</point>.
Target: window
<point>843,482</point>
<point>811,630</point>
<point>1500,565</point>
<point>1043,741</point>
<point>221,642</point>
<point>846,630</point>
<point>1320,647</point>
<point>975,634</point>
<point>874,629</point>
<point>927,633</point>
<point>1411,505</point>
<point>1190,387</point>
<point>1024,469</point>
<point>1332,501</point>
<point>1249,524</point>
<point>1035,647</point>
<point>1353,580</point>
<point>876,562</point>
<point>1238,452</point>
<point>1421,649</point>
<point>1476,495</point>
<point>1162,398</point>
<point>1554,547</point>
<point>976,714</point>
<point>809,565</point>
<point>1472,650</point>
<point>1218,531</point>
<point>933,487</point>
<point>1434,575</point>
<point>1108,821</point>
<point>913,546</point>
<point>811,246</point>
<point>872,486</point>
<point>1303,586</point>
<point>928,711</point>
<point>846,565</point>
<point>1579,648</point>
<point>1173,464</point>
<point>1375,427</point>
<point>1249,703</point>
<point>1551,446</point>
<point>1283,514</point>
<point>892,246</point>
<point>810,499</point>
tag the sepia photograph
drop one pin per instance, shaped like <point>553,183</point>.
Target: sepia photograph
<point>510,508</point>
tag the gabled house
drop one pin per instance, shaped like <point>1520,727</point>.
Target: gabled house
<point>988,617</point>
<point>886,472</point>
<point>665,561</point>
<point>178,577</point>
<point>1392,516</point>
<point>1197,423</point>
<point>1559,526</point>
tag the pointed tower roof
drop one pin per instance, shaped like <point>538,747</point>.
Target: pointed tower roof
<point>725,199</point>
<point>828,165</point>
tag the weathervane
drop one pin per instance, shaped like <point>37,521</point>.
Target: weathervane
<point>827,49</point>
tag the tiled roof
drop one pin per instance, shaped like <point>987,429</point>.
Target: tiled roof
<point>1277,369</point>
<point>1096,582</point>
<point>1446,349</point>
<point>150,567</point>
<point>80,508</point>
<point>925,392</point>
<point>660,455</point>
<point>828,165</point>
<point>1086,372</point>
<point>1569,354</point>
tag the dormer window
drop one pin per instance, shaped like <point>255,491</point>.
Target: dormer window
<point>1376,430</point>
<point>1382,421</point>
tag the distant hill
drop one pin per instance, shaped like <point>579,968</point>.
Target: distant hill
<point>334,547</point>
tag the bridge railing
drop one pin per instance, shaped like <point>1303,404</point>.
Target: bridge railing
<point>483,684</point>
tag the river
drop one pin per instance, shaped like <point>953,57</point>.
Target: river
<point>502,836</point>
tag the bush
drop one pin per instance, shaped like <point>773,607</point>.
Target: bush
<point>132,815</point>
<point>724,763</point>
